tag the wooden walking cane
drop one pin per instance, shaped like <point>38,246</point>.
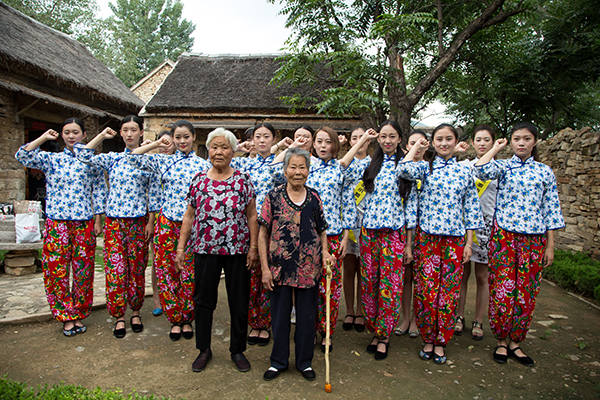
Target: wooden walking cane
<point>328,328</point>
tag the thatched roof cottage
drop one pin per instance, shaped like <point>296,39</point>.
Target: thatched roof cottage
<point>46,77</point>
<point>230,91</point>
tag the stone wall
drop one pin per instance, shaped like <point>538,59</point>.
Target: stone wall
<point>149,87</point>
<point>575,158</point>
<point>12,173</point>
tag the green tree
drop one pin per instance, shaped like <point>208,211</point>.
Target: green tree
<point>380,57</point>
<point>544,68</point>
<point>142,34</point>
<point>73,17</point>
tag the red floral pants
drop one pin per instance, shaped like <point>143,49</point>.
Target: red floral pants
<point>125,261</point>
<point>438,274</point>
<point>69,245</point>
<point>515,271</point>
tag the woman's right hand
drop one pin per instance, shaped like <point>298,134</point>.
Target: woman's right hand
<point>108,133</point>
<point>50,134</point>
<point>267,279</point>
<point>180,259</point>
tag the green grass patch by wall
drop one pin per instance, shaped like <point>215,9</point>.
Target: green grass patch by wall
<point>11,390</point>
<point>576,272</point>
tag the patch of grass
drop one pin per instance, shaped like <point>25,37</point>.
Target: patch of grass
<point>11,390</point>
<point>577,272</point>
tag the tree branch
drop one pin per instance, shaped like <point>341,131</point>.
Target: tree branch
<point>440,27</point>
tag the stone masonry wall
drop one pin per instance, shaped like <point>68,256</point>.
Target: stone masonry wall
<point>575,158</point>
<point>12,173</point>
<point>150,87</point>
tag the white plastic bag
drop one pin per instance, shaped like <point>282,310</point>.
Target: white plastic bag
<point>27,227</point>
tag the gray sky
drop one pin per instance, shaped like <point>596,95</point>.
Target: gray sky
<point>247,27</point>
<point>231,26</point>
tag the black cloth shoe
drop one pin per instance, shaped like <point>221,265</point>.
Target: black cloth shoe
<point>241,362</point>
<point>264,341</point>
<point>119,333</point>
<point>136,327</point>
<point>525,360</point>
<point>348,325</point>
<point>252,340</point>
<point>359,327</point>
<point>175,336</point>
<point>203,358</point>
<point>187,335</point>
<point>272,373</point>
<point>372,348</point>
<point>309,374</point>
<point>500,358</point>
<point>382,355</point>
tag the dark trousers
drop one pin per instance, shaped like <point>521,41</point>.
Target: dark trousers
<point>307,301</point>
<point>207,268</point>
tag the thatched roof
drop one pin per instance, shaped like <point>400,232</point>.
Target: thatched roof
<point>223,84</point>
<point>55,60</point>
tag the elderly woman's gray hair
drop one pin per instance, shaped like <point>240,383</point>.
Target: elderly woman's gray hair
<point>222,132</point>
<point>296,151</point>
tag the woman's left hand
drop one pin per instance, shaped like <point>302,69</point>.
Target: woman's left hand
<point>252,258</point>
<point>408,255</point>
<point>548,256</point>
<point>467,252</point>
<point>149,232</point>
<point>98,227</point>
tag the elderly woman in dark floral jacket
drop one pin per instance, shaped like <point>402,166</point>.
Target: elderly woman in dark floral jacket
<point>292,245</point>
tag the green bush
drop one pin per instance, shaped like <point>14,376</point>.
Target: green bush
<point>11,390</point>
<point>577,272</point>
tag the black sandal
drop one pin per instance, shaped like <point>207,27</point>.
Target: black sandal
<point>137,328</point>
<point>426,355</point>
<point>459,320</point>
<point>348,325</point>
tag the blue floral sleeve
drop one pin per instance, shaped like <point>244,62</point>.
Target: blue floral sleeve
<point>489,171</point>
<point>99,191</point>
<point>154,193</point>
<point>472,217</point>
<point>412,170</point>
<point>34,158</point>
<point>553,217</point>
<point>86,156</point>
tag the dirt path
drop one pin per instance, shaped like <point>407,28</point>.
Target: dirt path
<point>150,363</point>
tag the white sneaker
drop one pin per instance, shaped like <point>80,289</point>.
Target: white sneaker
<point>293,316</point>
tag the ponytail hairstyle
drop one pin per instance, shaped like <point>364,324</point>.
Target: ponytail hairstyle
<point>377,161</point>
<point>533,130</point>
<point>182,123</point>
<point>134,118</point>
<point>438,128</point>
<point>73,121</point>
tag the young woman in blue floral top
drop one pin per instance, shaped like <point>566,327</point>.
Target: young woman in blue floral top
<point>262,175</point>
<point>133,197</point>
<point>76,196</point>
<point>382,236</point>
<point>522,241</point>
<point>176,173</point>
<point>448,210</point>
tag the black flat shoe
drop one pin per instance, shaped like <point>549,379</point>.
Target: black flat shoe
<point>137,328</point>
<point>359,327</point>
<point>348,325</point>
<point>309,374</point>
<point>264,341</point>
<point>500,358</point>
<point>187,335</point>
<point>119,333</point>
<point>175,336</point>
<point>426,355</point>
<point>272,373</point>
<point>372,348</point>
<point>380,355</point>
<point>525,360</point>
<point>252,340</point>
